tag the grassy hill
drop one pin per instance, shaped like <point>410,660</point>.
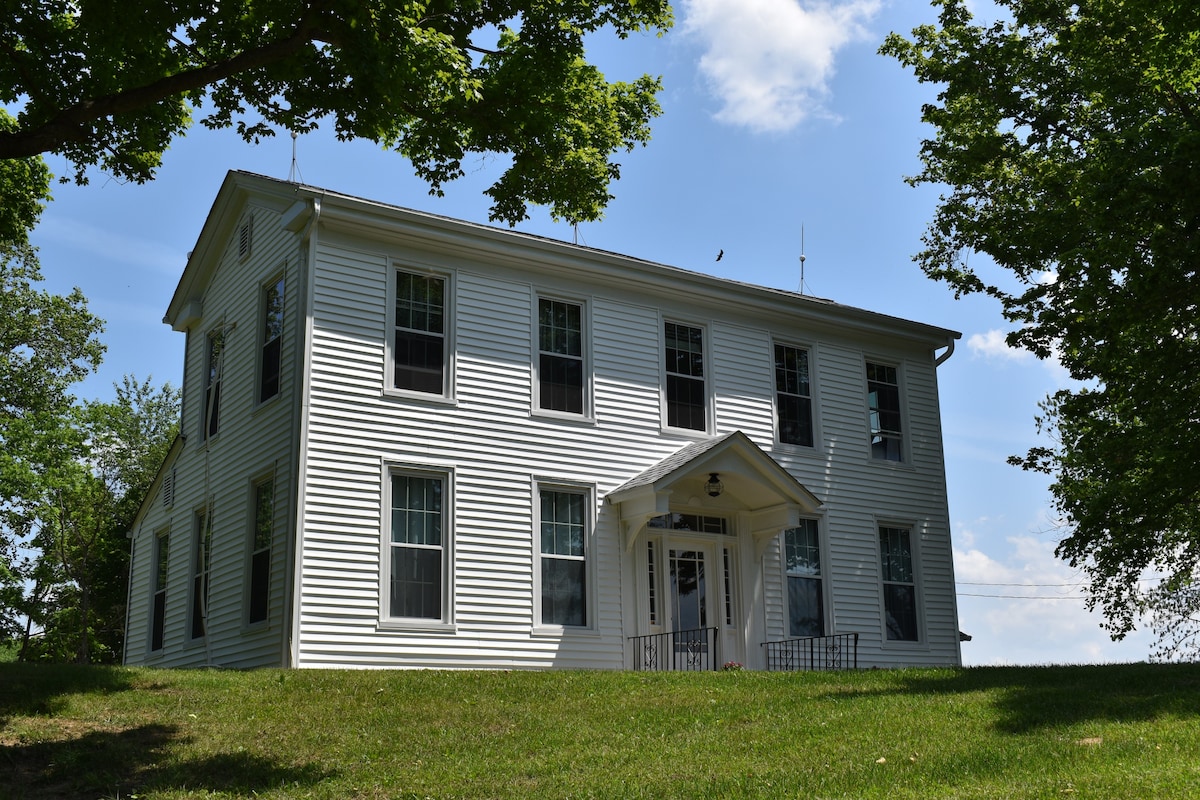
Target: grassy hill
<point>1055,732</point>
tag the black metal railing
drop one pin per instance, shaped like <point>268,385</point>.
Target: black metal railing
<point>813,653</point>
<point>693,650</point>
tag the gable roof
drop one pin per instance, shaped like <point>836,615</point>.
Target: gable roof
<point>303,206</point>
<point>753,484</point>
<point>742,465</point>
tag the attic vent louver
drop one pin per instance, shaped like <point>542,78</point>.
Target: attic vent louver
<point>168,489</point>
<point>245,234</point>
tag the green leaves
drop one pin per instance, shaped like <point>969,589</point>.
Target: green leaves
<point>1067,138</point>
<point>110,89</point>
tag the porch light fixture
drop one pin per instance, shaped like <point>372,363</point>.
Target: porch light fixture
<point>714,487</point>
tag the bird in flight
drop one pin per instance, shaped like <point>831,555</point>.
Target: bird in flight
<point>720,255</point>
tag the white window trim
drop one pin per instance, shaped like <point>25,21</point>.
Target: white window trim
<point>588,491</point>
<point>905,461</point>
<point>914,543</point>
<point>272,281</point>
<point>449,334</point>
<point>709,402</point>
<point>813,395</point>
<point>585,321</point>
<point>417,624</point>
<point>826,584</point>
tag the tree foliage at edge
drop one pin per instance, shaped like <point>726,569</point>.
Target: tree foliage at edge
<point>438,81</point>
<point>1067,137</point>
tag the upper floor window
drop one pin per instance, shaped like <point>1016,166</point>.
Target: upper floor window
<point>806,596</point>
<point>272,340</point>
<point>214,355</point>
<point>899,584</point>
<point>793,396</point>
<point>258,592</point>
<point>560,356</point>
<point>417,561</point>
<point>883,405</point>
<point>419,348</point>
<point>687,399</point>
<point>563,567</point>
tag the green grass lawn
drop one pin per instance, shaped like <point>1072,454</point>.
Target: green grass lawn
<point>1128,731</point>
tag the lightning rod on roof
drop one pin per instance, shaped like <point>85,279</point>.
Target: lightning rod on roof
<point>802,258</point>
<point>294,174</point>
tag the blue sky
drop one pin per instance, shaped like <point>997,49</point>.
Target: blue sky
<point>777,114</point>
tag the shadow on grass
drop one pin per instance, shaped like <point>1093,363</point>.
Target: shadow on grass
<point>1028,699</point>
<point>120,763</point>
<point>41,689</point>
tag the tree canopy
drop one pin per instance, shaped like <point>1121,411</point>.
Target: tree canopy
<point>25,189</point>
<point>437,81</point>
<point>47,343</point>
<point>1067,140</point>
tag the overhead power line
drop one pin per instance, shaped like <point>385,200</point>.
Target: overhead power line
<point>1030,585</point>
<point>1024,596</point>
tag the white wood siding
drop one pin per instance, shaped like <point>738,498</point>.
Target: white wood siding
<point>254,442</point>
<point>497,450</point>
<point>494,451</point>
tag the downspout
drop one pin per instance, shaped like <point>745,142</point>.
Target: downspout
<point>949,352</point>
<point>307,263</point>
<point>946,494</point>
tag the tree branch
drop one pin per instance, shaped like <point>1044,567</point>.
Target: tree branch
<point>73,124</point>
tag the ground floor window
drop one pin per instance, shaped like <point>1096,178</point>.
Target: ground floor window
<point>261,529</point>
<point>158,605</point>
<point>563,532</point>
<point>805,587</point>
<point>201,561</point>
<point>899,584</point>
<point>416,562</point>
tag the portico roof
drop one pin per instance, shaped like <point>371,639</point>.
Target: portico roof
<point>753,484</point>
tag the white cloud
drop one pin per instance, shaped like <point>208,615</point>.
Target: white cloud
<point>1023,605</point>
<point>770,62</point>
<point>992,345</point>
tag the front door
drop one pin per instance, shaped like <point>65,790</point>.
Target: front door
<point>691,617</point>
<point>692,593</point>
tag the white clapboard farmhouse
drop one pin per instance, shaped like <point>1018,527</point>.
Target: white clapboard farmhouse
<point>411,441</point>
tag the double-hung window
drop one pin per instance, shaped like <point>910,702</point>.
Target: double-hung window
<point>564,533</point>
<point>201,562</point>
<point>158,612</point>
<point>419,344</point>
<point>270,357</point>
<point>687,399</point>
<point>258,592</point>
<point>802,563</point>
<point>793,396</point>
<point>560,356</point>
<point>883,405</point>
<point>214,355</point>
<point>899,584</point>
<point>416,549</point>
